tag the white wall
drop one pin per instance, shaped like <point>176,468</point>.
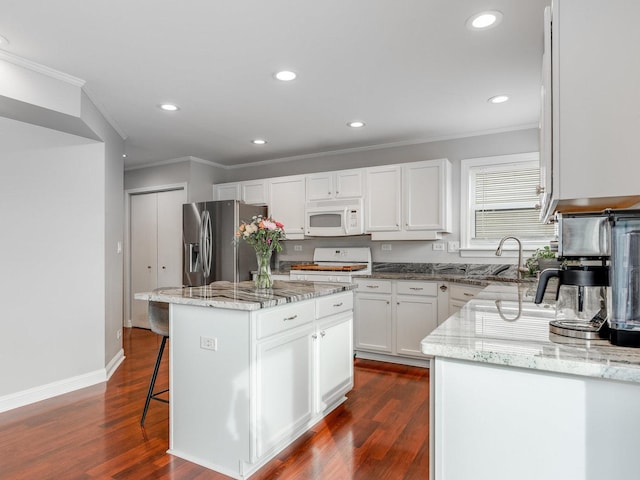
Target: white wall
<point>52,204</point>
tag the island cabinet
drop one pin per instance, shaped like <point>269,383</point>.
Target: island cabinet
<point>409,201</point>
<point>392,317</point>
<point>245,384</point>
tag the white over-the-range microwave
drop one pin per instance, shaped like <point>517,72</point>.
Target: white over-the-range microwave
<point>334,218</point>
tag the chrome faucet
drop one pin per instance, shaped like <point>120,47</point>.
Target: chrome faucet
<point>521,267</point>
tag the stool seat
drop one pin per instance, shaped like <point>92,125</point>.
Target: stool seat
<point>158,313</point>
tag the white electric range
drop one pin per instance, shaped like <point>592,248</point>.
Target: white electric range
<point>337,265</point>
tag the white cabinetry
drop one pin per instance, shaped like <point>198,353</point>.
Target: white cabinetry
<point>392,317</point>
<point>253,192</point>
<point>594,99</point>
<point>329,185</point>
<point>272,375</point>
<point>286,204</point>
<point>409,201</point>
<point>459,295</point>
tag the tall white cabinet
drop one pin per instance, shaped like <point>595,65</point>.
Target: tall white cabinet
<point>591,75</point>
<point>286,204</point>
<point>156,246</point>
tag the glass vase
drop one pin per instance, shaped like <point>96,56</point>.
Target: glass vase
<point>263,278</point>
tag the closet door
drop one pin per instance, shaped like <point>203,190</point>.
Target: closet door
<point>156,246</point>
<point>170,238</point>
<point>144,253</point>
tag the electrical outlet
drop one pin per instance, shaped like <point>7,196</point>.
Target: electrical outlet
<point>119,334</point>
<point>297,248</point>
<point>439,246</point>
<point>209,343</point>
<point>453,247</point>
<point>386,247</point>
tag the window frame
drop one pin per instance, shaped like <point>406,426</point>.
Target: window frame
<point>468,245</point>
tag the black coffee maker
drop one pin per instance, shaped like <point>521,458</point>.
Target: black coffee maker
<point>583,281</point>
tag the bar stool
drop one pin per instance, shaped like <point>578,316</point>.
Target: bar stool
<point>159,321</point>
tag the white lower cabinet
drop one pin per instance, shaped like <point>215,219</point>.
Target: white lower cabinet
<point>390,323</point>
<point>459,295</point>
<point>285,385</point>
<point>334,347</point>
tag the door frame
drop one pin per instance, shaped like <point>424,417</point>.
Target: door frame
<point>127,235</point>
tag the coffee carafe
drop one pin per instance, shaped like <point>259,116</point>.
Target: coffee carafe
<point>581,300</point>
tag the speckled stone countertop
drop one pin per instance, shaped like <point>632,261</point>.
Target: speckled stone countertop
<point>502,326</point>
<point>244,295</point>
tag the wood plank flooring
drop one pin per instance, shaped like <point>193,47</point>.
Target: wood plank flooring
<point>381,432</point>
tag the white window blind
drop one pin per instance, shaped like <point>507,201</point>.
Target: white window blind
<point>503,202</point>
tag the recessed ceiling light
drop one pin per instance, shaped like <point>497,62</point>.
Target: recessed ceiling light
<point>258,141</point>
<point>124,155</point>
<point>484,20</point>
<point>4,41</point>
<point>356,124</point>
<point>286,75</point>
<point>498,99</point>
<point>169,107</point>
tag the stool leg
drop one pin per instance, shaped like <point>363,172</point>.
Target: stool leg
<point>153,380</point>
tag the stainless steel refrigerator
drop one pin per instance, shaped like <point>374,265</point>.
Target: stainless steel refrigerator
<point>208,234</point>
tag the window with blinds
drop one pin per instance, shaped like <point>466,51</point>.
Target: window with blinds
<point>503,202</point>
<point>498,198</point>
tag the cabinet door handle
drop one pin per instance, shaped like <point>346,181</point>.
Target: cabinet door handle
<point>290,318</point>
<point>337,304</point>
<point>323,333</point>
<point>539,189</point>
<point>443,288</point>
<point>314,336</point>
<point>388,302</point>
<point>368,286</point>
<point>163,267</point>
<point>416,288</point>
<point>149,267</point>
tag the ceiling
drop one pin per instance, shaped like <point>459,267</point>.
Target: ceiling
<point>410,69</point>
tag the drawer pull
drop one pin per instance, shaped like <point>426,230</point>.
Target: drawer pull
<point>290,318</point>
<point>337,304</point>
<point>416,288</point>
<point>373,286</point>
<point>466,294</point>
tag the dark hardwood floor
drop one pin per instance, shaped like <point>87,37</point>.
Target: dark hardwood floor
<point>381,432</point>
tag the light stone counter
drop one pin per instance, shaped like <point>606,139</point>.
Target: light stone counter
<point>244,295</point>
<point>518,402</point>
<point>503,326</point>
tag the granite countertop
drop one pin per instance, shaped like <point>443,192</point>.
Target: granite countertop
<point>244,295</point>
<point>502,326</point>
<point>469,274</point>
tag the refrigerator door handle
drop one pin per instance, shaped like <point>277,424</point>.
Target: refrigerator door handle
<point>206,236</point>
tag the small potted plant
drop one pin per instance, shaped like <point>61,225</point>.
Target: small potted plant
<point>542,259</point>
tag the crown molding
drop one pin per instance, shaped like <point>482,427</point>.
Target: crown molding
<point>380,146</point>
<point>36,67</point>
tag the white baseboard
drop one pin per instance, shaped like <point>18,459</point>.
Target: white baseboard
<point>43,392</point>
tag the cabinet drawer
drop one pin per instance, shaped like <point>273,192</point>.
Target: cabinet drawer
<point>284,318</point>
<point>418,288</point>
<point>463,292</point>
<point>373,286</point>
<point>326,306</point>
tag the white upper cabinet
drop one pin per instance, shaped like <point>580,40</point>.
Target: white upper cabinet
<point>286,204</point>
<point>227,191</point>
<point>253,192</point>
<point>329,185</point>
<point>591,85</point>
<point>383,199</point>
<point>410,201</point>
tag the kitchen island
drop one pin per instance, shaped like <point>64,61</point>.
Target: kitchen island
<point>251,370</point>
<point>511,400</point>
